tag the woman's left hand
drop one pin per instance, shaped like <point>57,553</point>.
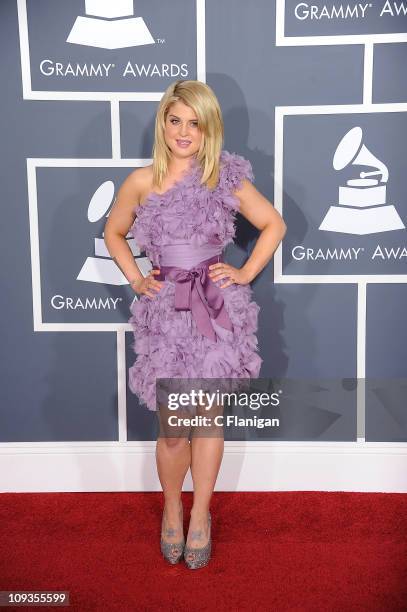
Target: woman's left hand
<point>221,270</point>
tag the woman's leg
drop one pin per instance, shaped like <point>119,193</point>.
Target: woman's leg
<point>173,458</point>
<point>207,446</point>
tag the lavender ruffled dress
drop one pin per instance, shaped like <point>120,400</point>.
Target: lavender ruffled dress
<point>182,227</point>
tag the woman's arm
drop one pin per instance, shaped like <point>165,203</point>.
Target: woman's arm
<point>121,218</point>
<point>261,213</point>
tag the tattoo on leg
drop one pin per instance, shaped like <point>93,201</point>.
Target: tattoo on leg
<point>196,534</point>
<point>171,532</point>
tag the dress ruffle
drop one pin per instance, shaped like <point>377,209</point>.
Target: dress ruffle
<point>167,341</point>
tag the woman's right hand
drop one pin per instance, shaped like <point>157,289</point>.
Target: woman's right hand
<point>148,285</point>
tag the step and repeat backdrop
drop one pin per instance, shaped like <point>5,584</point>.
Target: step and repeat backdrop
<point>314,94</point>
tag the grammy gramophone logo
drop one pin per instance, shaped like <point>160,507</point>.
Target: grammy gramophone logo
<point>110,24</point>
<point>362,207</point>
<point>100,268</point>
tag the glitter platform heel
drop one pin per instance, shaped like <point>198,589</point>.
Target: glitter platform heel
<point>202,555</point>
<point>172,551</point>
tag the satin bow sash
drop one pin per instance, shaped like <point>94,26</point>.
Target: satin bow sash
<point>195,291</point>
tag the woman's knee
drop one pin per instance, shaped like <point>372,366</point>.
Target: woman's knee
<point>175,444</point>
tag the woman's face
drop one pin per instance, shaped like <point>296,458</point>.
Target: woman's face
<point>182,134</point>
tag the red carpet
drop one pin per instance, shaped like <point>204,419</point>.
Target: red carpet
<point>296,551</point>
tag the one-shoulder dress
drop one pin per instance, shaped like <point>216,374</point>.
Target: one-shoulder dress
<point>191,328</point>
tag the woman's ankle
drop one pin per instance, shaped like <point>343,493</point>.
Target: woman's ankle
<point>200,511</point>
<point>173,508</point>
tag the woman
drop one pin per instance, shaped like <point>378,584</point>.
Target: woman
<point>195,317</point>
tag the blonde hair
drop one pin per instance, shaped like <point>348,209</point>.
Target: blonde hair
<point>202,100</point>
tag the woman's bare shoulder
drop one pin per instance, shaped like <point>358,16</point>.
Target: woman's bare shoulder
<point>143,177</point>
<point>140,176</point>
<point>138,184</point>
